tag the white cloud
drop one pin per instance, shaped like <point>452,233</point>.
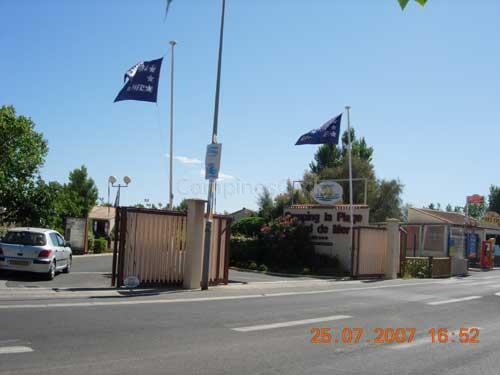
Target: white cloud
<point>222,176</point>
<point>186,160</point>
<point>225,177</point>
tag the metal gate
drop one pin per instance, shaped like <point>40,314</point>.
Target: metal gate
<point>151,245</point>
<point>368,251</point>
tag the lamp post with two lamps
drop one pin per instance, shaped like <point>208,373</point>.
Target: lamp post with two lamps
<point>111,183</point>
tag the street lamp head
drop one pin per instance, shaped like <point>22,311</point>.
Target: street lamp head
<point>127,180</point>
<point>112,179</point>
<point>173,42</point>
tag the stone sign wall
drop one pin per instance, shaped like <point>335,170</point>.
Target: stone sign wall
<point>329,227</point>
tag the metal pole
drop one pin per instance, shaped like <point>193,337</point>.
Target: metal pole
<point>118,196</point>
<point>351,208</point>
<point>171,178</point>
<point>211,185</point>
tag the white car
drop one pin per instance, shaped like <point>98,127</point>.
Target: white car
<point>35,250</point>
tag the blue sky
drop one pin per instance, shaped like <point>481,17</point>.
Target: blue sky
<point>423,84</point>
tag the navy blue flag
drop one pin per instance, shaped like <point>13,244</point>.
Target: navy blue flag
<point>327,134</point>
<point>142,83</point>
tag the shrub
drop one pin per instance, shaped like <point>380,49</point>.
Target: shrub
<point>263,268</point>
<point>100,245</point>
<point>281,245</point>
<point>244,249</point>
<point>417,267</point>
<point>322,263</point>
<point>285,244</point>
<point>248,226</point>
<point>90,243</point>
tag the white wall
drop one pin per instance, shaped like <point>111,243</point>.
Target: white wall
<point>330,228</point>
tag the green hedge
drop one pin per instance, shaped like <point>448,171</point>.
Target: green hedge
<point>281,246</point>
<point>417,268</point>
<point>100,245</point>
<point>248,226</point>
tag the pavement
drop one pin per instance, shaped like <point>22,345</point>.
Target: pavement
<point>261,327</point>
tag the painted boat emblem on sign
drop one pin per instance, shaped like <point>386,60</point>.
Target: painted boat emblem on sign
<point>328,192</point>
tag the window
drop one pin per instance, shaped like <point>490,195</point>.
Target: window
<point>53,239</point>
<point>60,240</point>
<point>25,238</point>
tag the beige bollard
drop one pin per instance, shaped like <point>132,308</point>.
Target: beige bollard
<point>195,232</point>
<point>392,254</point>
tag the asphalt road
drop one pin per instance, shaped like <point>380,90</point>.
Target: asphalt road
<point>95,272</point>
<point>258,328</point>
<point>87,272</point>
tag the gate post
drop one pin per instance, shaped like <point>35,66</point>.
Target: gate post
<point>194,243</point>
<point>392,253</point>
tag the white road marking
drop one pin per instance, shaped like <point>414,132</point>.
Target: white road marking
<point>493,286</point>
<point>15,349</point>
<point>497,294</point>
<point>476,283</point>
<point>292,323</point>
<point>453,300</point>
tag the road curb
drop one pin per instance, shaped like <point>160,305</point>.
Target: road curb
<point>91,255</point>
<point>345,278</point>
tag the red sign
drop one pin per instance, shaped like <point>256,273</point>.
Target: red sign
<point>475,199</point>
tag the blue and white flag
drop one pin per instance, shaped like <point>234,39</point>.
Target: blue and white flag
<point>327,134</point>
<point>141,82</point>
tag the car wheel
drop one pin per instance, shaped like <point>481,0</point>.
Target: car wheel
<point>52,271</point>
<point>68,267</point>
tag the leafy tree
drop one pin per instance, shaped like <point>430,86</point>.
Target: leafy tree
<point>265,203</point>
<point>331,162</point>
<point>476,210</point>
<point>494,199</point>
<point>80,193</point>
<point>403,3</point>
<point>183,206</point>
<point>449,208</point>
<point>42,206</point>
<point>331,157</point>
<point>22,153</point>
<point>327,156</point>
<point>248,226</point>
<point>387,201</point>
<point>433,206</point>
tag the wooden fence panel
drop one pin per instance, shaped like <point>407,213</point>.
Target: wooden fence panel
<point>152,246</point>
<point>219,250</point>
<point>369,251</point>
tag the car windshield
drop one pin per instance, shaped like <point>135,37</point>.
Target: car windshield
<point>25,238</point>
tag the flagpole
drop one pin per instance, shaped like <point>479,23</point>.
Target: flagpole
<point>211,185</point>
<point>171,176</point>
<point>351,208</point>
